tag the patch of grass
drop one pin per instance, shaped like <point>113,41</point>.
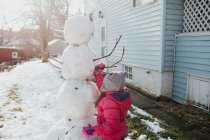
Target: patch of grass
<point>195,118</point>
<point>172,133</point>
<point>18,109</point>
<point>12,94</point>
<point>2,118</point>
<point>136,128</point>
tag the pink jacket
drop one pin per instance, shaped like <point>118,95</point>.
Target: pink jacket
<point>112,111</point>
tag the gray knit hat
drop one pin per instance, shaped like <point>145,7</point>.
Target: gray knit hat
<point>113,81</point>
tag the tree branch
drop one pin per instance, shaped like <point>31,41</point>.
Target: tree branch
<point>111,51</point>
<point>113,65</point>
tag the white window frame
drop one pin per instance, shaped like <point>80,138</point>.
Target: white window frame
<point>143,3</point>
<point>129,72</point>
<point>14,55</point>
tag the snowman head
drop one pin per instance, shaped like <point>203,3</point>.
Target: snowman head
<point>78,30</point>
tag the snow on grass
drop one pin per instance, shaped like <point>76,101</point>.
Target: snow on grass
<point>140,111</point>
<point>143,126</point>
<point>153,126</point>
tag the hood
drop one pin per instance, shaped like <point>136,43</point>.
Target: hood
<point>122,97</point>
<point>113,81</point>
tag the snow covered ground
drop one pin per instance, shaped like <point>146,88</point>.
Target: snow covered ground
<point>28,106</point>
<point>28,102</point>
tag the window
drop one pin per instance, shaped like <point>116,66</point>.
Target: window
<point>129,72</point>
<point>103,50</point>
<point>103,43</point>
<point>15,55</point>
<point>142,2</point>
<point>103,34</point>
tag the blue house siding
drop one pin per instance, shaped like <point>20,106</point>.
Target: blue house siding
<point>192,57</point>
<point>140,28</point>
<point>173,24</point>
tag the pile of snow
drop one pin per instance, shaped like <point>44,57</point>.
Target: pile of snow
<point>28,101</point>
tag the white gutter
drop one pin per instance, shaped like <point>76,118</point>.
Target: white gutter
<point>194,34</point>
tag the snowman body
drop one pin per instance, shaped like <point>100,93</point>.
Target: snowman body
<point>77,63</point>
<point>77,94</point>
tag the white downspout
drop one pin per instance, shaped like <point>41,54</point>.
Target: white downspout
<point>174,53</point>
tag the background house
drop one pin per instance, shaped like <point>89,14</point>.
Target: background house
<point>166,44</point>
<point>30,46</point>
<point>19,45</point>
<point>56,47</point>
<point>11,56</point>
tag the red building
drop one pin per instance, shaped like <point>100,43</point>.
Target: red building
<point>11,55</point>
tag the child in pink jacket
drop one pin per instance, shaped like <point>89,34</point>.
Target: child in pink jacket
<point>112,106</point>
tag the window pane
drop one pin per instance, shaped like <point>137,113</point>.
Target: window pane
<point>130,76</point>
<point>103,51</point>
<point>126,68</point>
<point>102,34</point>
<point>130,69</point>
<point>126,75</point>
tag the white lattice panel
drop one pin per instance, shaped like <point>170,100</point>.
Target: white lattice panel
<point>196,16</point>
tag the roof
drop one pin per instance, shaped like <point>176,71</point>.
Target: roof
<point>12,48</point>
<point>57,46</point>
<point>24,41</point>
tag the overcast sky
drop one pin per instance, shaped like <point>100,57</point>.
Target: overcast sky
<point>11,9</point>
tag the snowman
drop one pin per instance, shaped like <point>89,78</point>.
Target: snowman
<point>78,94</point>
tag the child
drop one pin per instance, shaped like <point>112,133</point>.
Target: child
<point>112,106</point>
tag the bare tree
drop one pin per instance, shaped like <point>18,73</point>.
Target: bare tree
<point>6,35</point>
<point>60,13</point>
<point>48,15</point>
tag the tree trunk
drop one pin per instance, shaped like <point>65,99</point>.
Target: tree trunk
<point>43,32</point>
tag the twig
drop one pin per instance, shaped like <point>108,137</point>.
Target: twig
<point>113,65</point>
<point>120,58</point>
<point>111,51</point>
<point>54,65</point>
<point>30,44</point>
<point>56,60</point>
